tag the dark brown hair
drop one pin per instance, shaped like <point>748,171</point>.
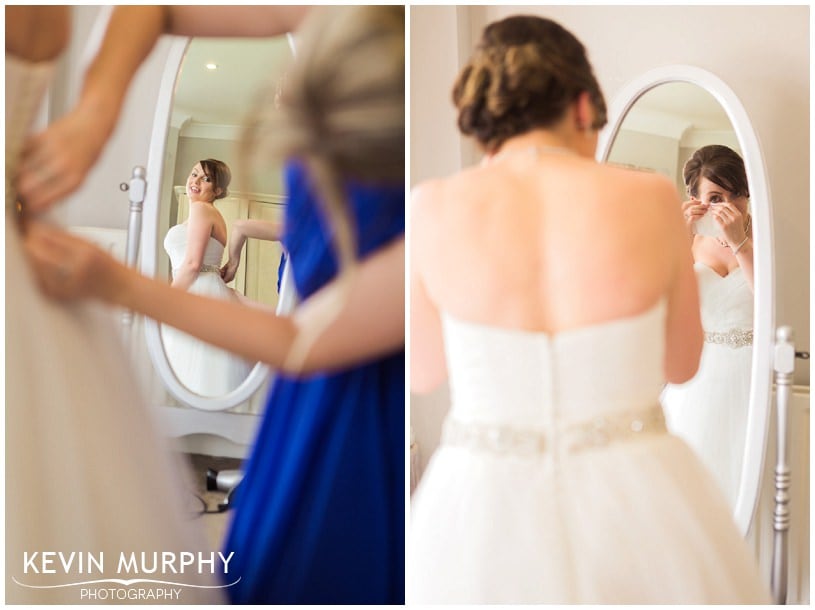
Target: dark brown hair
<point>719,164</point>
<point>523,75</point>
<point>219,173</point>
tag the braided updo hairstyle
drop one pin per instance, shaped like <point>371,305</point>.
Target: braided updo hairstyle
<point>523,75</point>
<point>719,164</point>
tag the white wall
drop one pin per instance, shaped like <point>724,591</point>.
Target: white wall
<point>193,149</point>
<point>646,151</point>
<point>99,202</point>
<point>434,63</point>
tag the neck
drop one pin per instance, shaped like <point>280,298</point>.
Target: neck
<point>538,139</point>
<point>560,138</point>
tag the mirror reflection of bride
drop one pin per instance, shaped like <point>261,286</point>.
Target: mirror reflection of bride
<point>195,248</point>
<point>710,411</point>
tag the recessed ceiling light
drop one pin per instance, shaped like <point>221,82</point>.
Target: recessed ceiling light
<point>212,66</point>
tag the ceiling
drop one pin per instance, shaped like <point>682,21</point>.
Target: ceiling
<point>693,104</point>
<point>224,95</point>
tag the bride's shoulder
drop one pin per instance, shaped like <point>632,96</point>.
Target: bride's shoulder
<point>436,190</point>
<point>647,183</point>
<point>429,193</point>
<point>203,209</point>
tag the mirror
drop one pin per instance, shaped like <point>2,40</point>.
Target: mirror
<point>655,124</point>
<point>207,91</point>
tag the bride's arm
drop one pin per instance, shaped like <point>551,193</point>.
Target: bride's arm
<point>684,335</point>
<point>428,368</point>
<point>745,258</point>
<point>365,319</point>
<point>199,228</point>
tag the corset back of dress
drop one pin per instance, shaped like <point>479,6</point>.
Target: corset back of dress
<point>537,380</point>
<point>175,244</point>
<point>26,83</point>
<point>726,302</point>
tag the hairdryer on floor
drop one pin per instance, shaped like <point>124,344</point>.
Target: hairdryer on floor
<point>225,480</point>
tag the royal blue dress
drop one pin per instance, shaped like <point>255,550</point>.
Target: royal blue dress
<point>320,512</point>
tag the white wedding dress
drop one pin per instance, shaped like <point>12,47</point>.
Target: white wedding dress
<point>710,411</point>
<point>86,469</point>
<point>203,368</point>
<point>556,482</point>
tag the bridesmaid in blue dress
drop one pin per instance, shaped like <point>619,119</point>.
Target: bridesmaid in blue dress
<point>320,514</point>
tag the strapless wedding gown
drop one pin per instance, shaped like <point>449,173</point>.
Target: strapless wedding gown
<point>203,368</point>
<point>556,482</point>
<point>710,411</point>
<point>86,469</point>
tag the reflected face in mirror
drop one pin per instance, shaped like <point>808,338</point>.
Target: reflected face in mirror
<point>710,195</point>
<point>201,186</point>
<point>209,110</point>
<point>681,131</point>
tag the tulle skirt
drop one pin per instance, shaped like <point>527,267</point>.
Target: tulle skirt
<point>710,412</point>
<point>86,469</point>
<point>632,522</point>
<point>203,368</point>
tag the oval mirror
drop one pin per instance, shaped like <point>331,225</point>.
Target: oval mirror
<point>206,92</point>
<point>655,124</point>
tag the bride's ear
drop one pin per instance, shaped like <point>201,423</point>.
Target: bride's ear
<point>584,112</point>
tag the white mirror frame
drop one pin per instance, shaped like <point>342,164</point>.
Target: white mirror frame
<point>755,445</point>
<point>152,330</point>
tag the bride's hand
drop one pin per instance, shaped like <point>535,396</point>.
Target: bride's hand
<point>67,267</point>
<point>693,210</point>
<point>56,161</point>
<point>731,221</point>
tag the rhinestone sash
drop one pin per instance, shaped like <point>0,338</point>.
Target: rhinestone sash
<point>734,338</point>
<point>596,432</point>
<point>210,269</point>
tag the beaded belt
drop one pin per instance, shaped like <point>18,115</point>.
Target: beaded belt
<point>734,338</point>
<point>210,269</point>
<point>596,432</point>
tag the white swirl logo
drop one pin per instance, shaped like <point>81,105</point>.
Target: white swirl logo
<point>125,582</point>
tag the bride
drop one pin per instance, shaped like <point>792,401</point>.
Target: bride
<point>87,472</point>
<point>558,295</point>
<point>710,411</point>
<point>196,248</point>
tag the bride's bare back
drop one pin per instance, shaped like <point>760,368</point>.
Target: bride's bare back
<point>540,237</point>
<point>549,242</point>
